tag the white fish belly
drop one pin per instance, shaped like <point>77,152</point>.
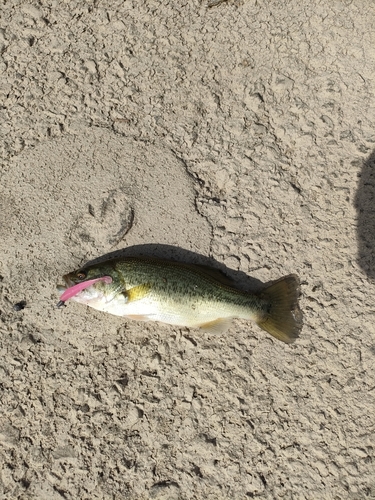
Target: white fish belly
<point>150,309</point>
<point>145,309</point>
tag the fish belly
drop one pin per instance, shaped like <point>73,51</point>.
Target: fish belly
<point>149,308</point>
<point>181,314</point>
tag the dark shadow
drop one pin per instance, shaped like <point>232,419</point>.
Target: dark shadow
<point>237,279</point>
<point>365,205</point>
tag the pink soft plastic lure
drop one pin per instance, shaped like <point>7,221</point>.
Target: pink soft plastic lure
<point>75,289</point>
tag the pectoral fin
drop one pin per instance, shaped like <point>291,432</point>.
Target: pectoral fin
<point>219,325</point>
<point>137,292</point>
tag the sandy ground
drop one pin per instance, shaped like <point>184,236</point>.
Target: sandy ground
<point>241,133</point>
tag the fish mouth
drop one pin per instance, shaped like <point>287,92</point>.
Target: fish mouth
<point>62,288</point>
<point>68,283</point>
<point>72,289</point>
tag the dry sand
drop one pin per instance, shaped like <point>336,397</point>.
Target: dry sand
<point>241,133</point>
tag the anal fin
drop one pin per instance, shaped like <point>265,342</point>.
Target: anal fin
<point>219,325</point>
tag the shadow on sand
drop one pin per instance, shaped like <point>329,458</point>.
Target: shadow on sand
<point>365,205</point>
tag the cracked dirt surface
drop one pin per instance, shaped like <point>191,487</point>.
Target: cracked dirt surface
<point>241,133</point>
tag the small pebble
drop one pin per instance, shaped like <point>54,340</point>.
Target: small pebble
<point>20,305</point>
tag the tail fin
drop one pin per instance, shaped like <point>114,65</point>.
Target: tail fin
<point>283,318</point>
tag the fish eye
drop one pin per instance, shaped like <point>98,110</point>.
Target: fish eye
<point>81,275</point>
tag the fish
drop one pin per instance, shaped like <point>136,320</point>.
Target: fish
<point>183,294</point>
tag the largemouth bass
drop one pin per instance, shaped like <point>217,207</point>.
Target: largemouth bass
<point>150,289</point>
